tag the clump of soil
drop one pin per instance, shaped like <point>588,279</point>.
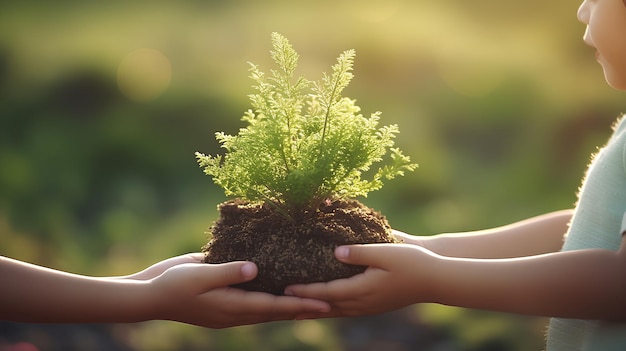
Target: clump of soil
<point>289,252</point>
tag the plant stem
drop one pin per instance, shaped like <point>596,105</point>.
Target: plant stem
<point>327,116</point>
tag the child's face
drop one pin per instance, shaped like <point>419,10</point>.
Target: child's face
<point>606,31</point>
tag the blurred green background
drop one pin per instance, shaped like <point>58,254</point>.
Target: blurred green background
<point>103,104</point>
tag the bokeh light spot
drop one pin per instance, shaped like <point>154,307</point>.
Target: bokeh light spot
<point>144,74</point>
<point>308,331</point>
<point>374,11</point>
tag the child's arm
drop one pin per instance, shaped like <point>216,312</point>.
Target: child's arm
<point>583,284</point>
<point>533,236</point>
<point>175,289</point>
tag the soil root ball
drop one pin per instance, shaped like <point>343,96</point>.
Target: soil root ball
<point>291,253</point>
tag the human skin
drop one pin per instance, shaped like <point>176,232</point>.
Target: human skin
<point>534,236</point>
<point>606,24</point>
<point>516,268</point>
<point>557,284</point>
<point>179,289</point>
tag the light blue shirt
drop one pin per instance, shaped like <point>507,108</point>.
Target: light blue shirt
<point>597,223</point>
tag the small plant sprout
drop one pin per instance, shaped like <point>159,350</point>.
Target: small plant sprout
<point>304,142</point>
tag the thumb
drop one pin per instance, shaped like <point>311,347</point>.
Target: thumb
<point>362,255</point>
<point>225,274</point>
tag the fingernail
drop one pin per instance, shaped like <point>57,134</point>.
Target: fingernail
<point>342,252</point>
<point>248,270</point>
<point>324,309</point>
<point>288,292</point>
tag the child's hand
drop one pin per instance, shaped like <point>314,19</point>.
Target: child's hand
<point>179,289</point>
<point>158,268</point>
<point>398,276</point>
<point>198,293</point>
<point>408,238</point>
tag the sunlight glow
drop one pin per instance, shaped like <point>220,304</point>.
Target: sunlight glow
<point>373,11</point>
<point>144,74</point>
<point>308,331</point>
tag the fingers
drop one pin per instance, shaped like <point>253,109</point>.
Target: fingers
<point>363,255</point>
<point>336,290</point>
<point>384,256</point>
<point>279,307</point>
<point>317,315</point>
<point>225,274</point>
<point>164,265</point>
<point>195,257</point>
<point>233,307</point>
<point>406,238</point>
<point>318,291</point>
<point>199,278</point>
<point>160,267</point>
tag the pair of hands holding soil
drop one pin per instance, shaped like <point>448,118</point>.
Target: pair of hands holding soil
<point>183,289</point>
<point>374,291</point>
<point>199,293</point>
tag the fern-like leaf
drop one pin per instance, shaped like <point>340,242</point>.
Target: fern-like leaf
<point>304,142</point>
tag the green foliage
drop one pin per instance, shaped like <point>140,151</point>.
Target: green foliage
<point>304,142</point>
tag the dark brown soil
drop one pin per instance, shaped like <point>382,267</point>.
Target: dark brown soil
<point>287,252</point>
